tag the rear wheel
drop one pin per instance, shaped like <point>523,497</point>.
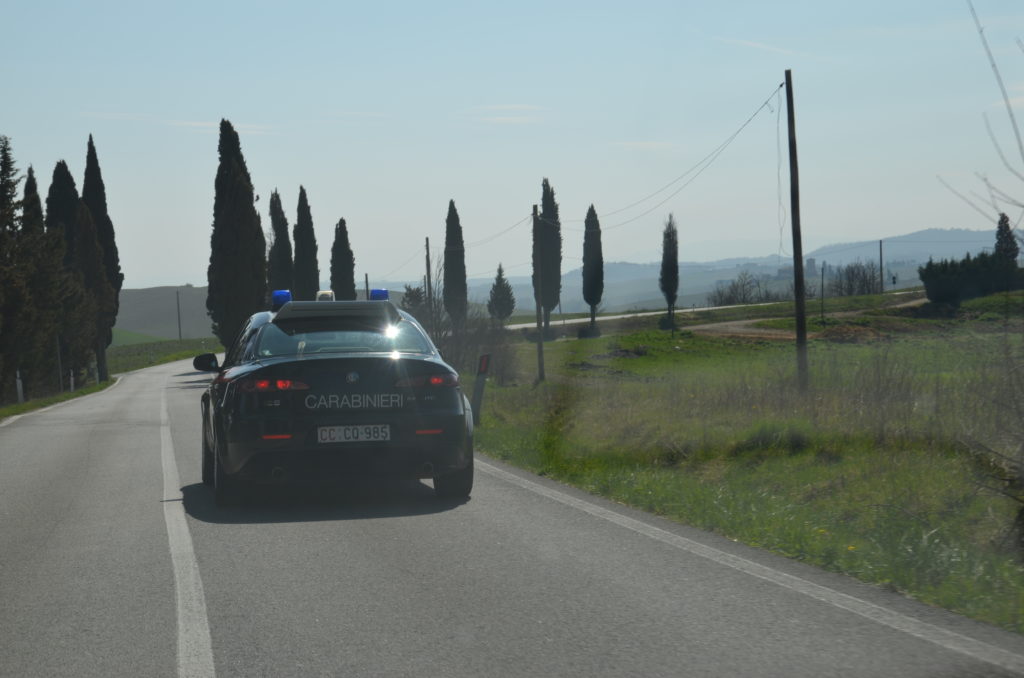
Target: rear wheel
<point>455,485</point>
<point>225,488</point>
<point>208,471</point>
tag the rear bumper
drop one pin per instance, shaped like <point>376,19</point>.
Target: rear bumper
<point>261,461</point>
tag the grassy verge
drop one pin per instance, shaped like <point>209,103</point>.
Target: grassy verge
<point>39,403</point>
<point>868,475</point>
<point>125,358</point>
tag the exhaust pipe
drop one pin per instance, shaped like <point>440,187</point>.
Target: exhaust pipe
<point>277,473</point>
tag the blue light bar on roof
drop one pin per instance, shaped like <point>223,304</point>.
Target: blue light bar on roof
<point>379,295</point>
<point>279,298</point>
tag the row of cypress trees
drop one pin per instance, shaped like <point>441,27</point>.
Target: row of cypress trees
<point>60,277</point>
<point>242,272</point>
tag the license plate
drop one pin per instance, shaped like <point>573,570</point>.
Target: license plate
<point>362,433</point>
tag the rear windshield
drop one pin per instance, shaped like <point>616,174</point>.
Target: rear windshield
<point>309,338</point>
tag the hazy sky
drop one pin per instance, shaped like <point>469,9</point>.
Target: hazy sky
<point>386,110</point>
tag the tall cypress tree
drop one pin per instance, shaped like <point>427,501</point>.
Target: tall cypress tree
<point>237,273</point>
<point>43,260</point>
<point>593,265</point>
<point>455,293</point>
<point>307,269</point>
<point>78,316</point>
<point>551,251</point>
<point>1005,255</point>
<point>90,263</point>
<point>1007,250</point>
<point>280,265</point>
<point>668,281</point>
<point>343,264</point>
<point>94,195</point>
<point>502,302</point>
<point>13,290</point>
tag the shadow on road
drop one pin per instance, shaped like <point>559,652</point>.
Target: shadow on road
<point>349,501</point>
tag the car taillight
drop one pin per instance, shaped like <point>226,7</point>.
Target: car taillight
<point>267,385</point>
<point>446,379</point>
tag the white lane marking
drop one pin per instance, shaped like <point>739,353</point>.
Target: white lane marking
<point>195,651</point>
<point>15,417</point>
<point>915,627</point>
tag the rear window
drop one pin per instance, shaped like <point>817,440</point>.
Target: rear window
<point>317,338</point>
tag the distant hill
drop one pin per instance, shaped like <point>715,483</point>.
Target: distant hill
<point>153,311</point>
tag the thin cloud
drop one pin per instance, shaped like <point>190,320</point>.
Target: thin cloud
<point>643,145</point>
<point>511,119</point>
<point>509,107</point>
<point>110,115</point>
<point>759,45</point>
<point>363,114</point>
<point>211,126</point>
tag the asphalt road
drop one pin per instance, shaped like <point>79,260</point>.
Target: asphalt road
<point>114,561</point>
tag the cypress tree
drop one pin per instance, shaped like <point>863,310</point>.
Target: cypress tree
<point>237,274</point>
<point>12,284</point>
<point>669,279</point>
<point>455,293</point>
<point>502,302</point>
<point>9,181</point>
<point>89,261</point>
<point>43,260</point>
<point>307,269</point>
<point>1005,255</point>
<point>280,264</point>
<point>78,306</point>
<point>1007,249</point>
<point>343,265</point>
<point>593,265</point>
<point>94,195</point>
<point>551,251</point>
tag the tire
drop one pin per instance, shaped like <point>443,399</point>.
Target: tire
<point>208,471</point>
<point>455,485</point>
<point>226,491</point>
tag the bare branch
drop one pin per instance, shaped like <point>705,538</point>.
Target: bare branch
<point>999,149</point>
<point>1002,195</point>
<point>999,79</point>
<point>991,196</point>
<point>967,200</point>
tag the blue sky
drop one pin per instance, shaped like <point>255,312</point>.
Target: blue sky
<point>385,111</point>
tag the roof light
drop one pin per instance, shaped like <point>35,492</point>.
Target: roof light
<point>325,295</point>
<point>279,298</point>
<point>379,294</point>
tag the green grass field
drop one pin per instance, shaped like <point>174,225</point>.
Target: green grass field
<point>127,337</point>
<point>874,472</point>
<point>135,356</point>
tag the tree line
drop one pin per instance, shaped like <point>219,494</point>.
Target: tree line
<point>243,270</point>
<point>60,278</point>
<point>951,281</point>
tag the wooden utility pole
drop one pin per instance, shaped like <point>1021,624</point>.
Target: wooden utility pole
<point>798,249</point>
<point>881,275</point>
<point>538,295</point>
<point>430,291</point>
<point>366,286</point>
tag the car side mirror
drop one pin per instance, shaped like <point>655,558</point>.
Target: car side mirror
<point>206,362</point>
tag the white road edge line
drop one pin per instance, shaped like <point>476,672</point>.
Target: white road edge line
<point>195,649</point>
<point>915,627</point>
<point>15,417</point>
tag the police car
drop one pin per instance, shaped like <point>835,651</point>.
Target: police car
<point>324,390</point>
